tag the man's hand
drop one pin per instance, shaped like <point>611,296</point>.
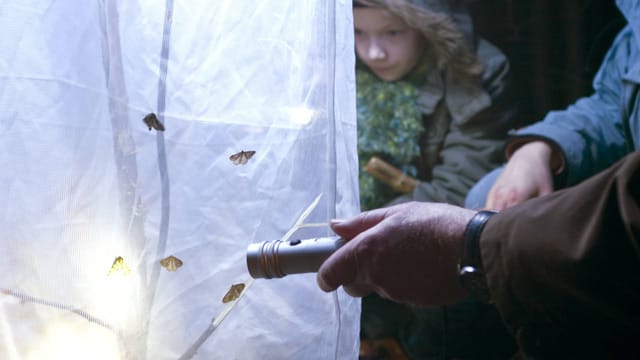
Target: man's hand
<point>406,253</point>
<point>527,175</point>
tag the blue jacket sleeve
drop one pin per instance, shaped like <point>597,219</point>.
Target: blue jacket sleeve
<point>590,132</point>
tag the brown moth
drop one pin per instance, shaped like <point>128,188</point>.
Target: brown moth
<point>242,157</point>
<point>171,263</point>
<point>152,122</point>
<point>233,293</point>
<point>119,266</point>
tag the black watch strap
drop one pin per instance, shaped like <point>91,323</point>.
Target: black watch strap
<point>471,240</point>
<point>471,270</point>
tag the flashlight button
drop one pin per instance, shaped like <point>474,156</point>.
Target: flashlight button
<point>294,242</point>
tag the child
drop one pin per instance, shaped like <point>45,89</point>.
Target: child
<point>433,102</point>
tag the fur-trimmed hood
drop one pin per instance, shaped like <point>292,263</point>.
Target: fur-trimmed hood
<point>459,13</point>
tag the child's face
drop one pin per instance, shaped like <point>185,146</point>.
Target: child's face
<point>385,43</point>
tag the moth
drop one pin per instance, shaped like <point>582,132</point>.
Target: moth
<point>152,122</point>
<point>242,157</point>
<point>233,293</point>
<point>171,263</point>
<point>119,266</point>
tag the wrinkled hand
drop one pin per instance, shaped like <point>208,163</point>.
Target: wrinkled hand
<point>406,253</point>
<point>526,175</point>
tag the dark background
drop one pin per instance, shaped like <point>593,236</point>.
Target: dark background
<point>555,46</point>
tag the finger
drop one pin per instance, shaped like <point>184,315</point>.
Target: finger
<point>490,203</point>
<point>546,187</point>
<point>340,268</point>
<point>357,290</point>
<point>496,199</point>
<point>348,229</point>
<point>511,198</point>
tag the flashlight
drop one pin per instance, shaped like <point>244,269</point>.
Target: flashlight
<point>276,259</point>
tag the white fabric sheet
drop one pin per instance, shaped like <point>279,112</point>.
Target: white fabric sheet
<point>84,181</point>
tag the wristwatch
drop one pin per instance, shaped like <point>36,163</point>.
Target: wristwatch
<point>470,270</point>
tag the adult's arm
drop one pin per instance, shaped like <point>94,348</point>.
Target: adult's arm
<point>580,141</point>
<point>589,135</point>
<point>564,269</point>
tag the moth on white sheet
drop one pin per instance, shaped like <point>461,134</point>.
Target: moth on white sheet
<point>152,122</point>
<point>242,157</point>
<point>119,266</point>
<point>171,263</point>
<point>233,293</point>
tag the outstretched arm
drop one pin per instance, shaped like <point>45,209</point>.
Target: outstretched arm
<point>563,270</point>
<point>406,253</point>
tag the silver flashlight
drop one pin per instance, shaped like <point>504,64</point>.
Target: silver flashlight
<point>276,259</point>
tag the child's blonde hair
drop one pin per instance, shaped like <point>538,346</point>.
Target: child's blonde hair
<point>432,19</point>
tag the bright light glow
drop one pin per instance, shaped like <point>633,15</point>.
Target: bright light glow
<point>115,299</point>
<point>301,115</point>
<point>111,299</point>
<point>67,341</point>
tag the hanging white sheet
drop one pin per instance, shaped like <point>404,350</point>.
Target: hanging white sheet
<point>91,199</point>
